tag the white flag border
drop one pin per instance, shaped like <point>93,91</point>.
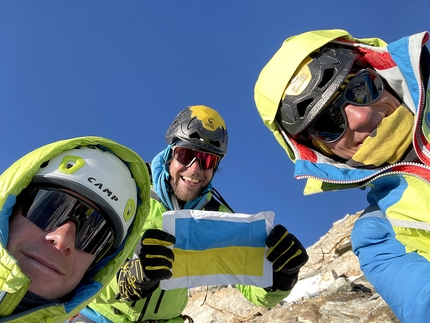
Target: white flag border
<point>169,220</point>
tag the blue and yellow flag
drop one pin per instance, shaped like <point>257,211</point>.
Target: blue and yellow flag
<point>217,248</point>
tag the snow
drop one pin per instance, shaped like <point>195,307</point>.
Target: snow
<point>311,287</point>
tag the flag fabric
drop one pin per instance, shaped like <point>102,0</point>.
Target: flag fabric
<point>218,248</point>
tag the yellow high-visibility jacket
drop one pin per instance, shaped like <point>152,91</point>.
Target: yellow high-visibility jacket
<point>13,282</point>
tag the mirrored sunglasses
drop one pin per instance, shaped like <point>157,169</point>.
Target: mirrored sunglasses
<point>49,208</point>
<point>187,156</point>
<point>364,88</point>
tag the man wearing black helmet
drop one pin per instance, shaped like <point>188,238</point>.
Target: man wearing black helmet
<point>63,235</point>
<point>182,179</point>
<point>353,113</point>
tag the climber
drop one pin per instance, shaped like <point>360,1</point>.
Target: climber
<point>353,113</point>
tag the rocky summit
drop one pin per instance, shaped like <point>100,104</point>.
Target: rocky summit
<point>331,289</point>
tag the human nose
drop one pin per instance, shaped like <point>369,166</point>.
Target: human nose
<point>63,237</point>
<point>195,165</point>
<point>358,116</point>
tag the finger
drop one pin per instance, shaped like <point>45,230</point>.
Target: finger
<point>290,262</point>
<point>279,242</point>
<point>158,274</point>
<point>158,269</point>
<point>156,251</point>
<point>155,262</point>
<point>285,246</point>
<point>154,236</point>
<point>279,232</point>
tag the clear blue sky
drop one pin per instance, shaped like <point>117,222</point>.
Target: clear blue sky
<point>124,69</point>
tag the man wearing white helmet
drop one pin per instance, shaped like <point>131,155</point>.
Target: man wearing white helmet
<point>182,179</point>
<point>354,113</point>
<point>70,214</point>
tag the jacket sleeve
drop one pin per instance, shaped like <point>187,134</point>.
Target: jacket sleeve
<point>261,297</point>
<point>401,278</point>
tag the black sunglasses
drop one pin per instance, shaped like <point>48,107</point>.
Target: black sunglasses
<point>364,88</point>
<point>49,208</point>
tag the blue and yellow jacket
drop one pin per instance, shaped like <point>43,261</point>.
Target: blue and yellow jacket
<point>392,236</point>
<point>165,306</point>
<point>13,283</point>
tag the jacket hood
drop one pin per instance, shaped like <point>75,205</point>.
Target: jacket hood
<point>19,175</point>
<point>398,63</point>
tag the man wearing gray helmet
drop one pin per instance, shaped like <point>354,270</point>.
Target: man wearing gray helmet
<point>182,177</point>
<point>70,214</point>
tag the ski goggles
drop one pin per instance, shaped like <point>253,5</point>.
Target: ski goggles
<point>49,208</point>
<point>187,156</point>
<point>364,88</point>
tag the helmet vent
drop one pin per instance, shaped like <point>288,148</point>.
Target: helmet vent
<point>215,143</point>
<point>44,164</point>
<point>303,106</point>
<point>326,78</point>
<point>195,135</point>
<point>70,164</point>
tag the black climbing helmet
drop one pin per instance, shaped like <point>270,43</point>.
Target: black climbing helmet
<point>315,82</point>
<point>202,127</point>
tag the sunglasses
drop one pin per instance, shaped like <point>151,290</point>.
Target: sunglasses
<point>49,208</point>
<point>187,156</point>
<point>364,88</point>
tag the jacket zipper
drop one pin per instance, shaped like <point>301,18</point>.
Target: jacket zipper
<point>369,179</point>
<point>145,307</point>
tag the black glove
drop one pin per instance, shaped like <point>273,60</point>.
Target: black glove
<point>132,284</point>
<point>157,259</point>
<point>287,255</point>
<point>140,277</point>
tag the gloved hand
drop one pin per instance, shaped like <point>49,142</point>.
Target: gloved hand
<point>141,276</point>
<point>157,259</point>
<point>287,255</point>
